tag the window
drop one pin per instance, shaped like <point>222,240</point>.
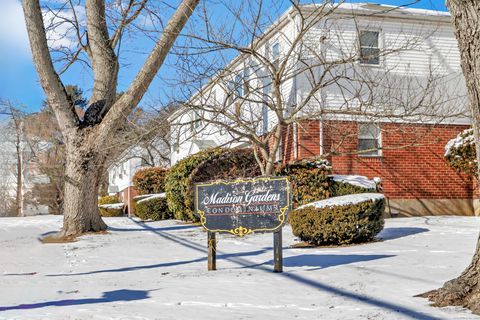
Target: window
<point>264,119</point>
<point>275,54</point>
<point>369,47</point>
<point>246,84</point>
<point>196,122</point>
<point>279,154</point>
<point>238,85</point>
<point>369,138</point>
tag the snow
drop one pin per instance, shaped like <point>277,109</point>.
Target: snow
<point>153,196</point>
<point>158,270</point>
<point>464,137</point>
<point>359,181</point>
<point>344,200</point>
<point>112,206</point>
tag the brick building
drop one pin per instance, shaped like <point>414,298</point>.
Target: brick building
<point>405,152</point>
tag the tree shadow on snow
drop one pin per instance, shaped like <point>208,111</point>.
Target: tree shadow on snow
<point>109,296</point>
<point>322,261</point>
<point>395,233</point>
<point>171,228</point>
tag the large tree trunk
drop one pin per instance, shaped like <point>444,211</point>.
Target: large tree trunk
<point>82,175</point>
<point>465,290</point>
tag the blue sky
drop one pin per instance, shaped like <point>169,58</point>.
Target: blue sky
<point>19,82</point>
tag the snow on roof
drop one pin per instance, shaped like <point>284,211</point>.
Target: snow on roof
<point>369,7</point>
<point>153,196</point>
<point>344,200</point>
<point>112,206</point>
<point>359,181</point>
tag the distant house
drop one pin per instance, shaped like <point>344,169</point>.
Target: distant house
<point>121,172</point>
<point>406,153</point>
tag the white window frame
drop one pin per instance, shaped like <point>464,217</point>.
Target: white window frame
<point>373,153</point>
<point>380,46</point>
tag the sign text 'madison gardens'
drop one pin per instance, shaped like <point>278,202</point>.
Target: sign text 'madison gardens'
<point>245,206</point>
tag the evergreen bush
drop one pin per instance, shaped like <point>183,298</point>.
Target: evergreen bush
<point>152,208</point>
<point>339,220</point>
<point>108,200</point>
<point>150,180</point>
<point>309,180</point>
<point>111,210</point>
<point>177,184</point>
<point>210,165</point>
<point>460,153</point>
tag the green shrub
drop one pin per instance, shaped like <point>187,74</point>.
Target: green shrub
<point>177,183</point>
<point>111,210</point>
<point>309,180</point>
<point>460,153</point>
<point>108,200</point>
<point>150,180</point>
<point>154,208</point>
<point>342,188</point>
<point>352,222</point>
<point>213,164</point>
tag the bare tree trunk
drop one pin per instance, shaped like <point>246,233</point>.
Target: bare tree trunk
<point>83,170</point>
<point>19,198</point>
<point>465,290</point>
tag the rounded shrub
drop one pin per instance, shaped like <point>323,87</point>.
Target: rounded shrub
<point>108,200</point>
<point>309,180</point>
<point>339,220</point>
<point>342,187</point>
<point>150,180</point>
<point>152,208</point>
<point>111,210</point>
<point>216,164</point>
<point>460,153</point>
<point>177,183</point>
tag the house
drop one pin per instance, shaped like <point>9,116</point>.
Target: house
<point>394,100</point>
<point>121,171</point>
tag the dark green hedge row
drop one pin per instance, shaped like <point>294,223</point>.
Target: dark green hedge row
<point>155,209</point>
<point>340,224</point>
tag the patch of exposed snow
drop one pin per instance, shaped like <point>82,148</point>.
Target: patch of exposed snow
<point>153,196</point>
<point>112,205</point>
<point>158,270</point>
<point>359,181</point>
<point>344,200</point>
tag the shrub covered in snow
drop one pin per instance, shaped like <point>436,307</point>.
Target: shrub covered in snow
<point>111,210</point>
<point>460,153</point>
<point>351,184</point>
<point>150,180</point>
<point>154,207</point>
<point>309,179</point>
<point>339,220</point>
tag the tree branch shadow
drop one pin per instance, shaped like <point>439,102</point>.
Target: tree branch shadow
<point>109,296</point>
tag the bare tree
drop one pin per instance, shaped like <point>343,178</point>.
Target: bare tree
<point>289,72</point>
<point>465,289</point>
<point>86,138</point>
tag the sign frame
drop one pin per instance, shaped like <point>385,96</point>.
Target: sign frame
<point>242,231</point>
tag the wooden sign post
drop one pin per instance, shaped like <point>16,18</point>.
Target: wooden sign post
<point>243,207</point>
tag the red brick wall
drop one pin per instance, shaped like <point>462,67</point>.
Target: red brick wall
<point>411,166</point>
<point>128,203</point>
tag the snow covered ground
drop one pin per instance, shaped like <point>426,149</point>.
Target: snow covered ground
<point>159,271</point>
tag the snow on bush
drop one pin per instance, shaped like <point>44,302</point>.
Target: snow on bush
<point>339,220</point>
<point>359,181</point>
<point>111,210</point>
<point>345,200</point>
<point>460,153</point>
<point>152,207</point>
<point>309,179</point>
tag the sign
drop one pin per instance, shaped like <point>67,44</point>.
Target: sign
<point>242,207</point>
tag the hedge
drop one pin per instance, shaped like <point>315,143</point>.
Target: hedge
<point>111,210</point>
<point>209,165</point>
<point>177,183</point>
<point>342,188</point>
<point>150,180</point>
<point>339,220</point>
<point>309,180</point>
<point>152,208</point>
<point>108,200</point>
<point>460,153</point>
